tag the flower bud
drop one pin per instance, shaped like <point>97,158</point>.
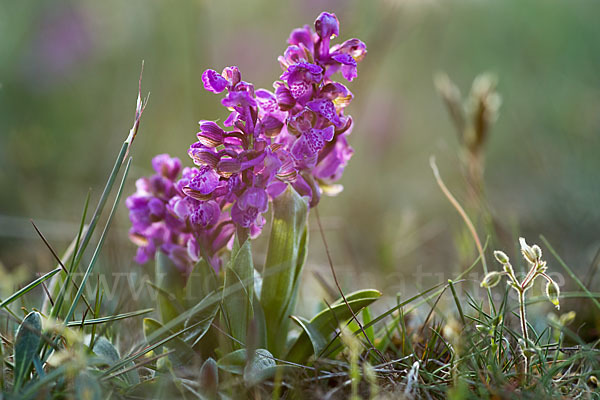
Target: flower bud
<point>553,292</point>
<point>285,100</point>
<point>272,126</point>
<point>491,279</point>
<point>501,257</point>
<point>509,269</point>
<point>527,251</point>
<point>209,379</point>
<point>538,252</point>
<point>327,25</point>
<point>210,135</point>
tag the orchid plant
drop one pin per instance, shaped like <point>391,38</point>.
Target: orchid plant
<point>279,149</point>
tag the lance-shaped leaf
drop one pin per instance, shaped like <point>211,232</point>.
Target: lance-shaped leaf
<point>201,282</point>
<point>110,355</point>
<point>255,369</point>
<point>26,345</point>
<point>285,257</point>
<point>238,291</point>
<point>209,379</point>
<point>233,362</point>
<point>171,285</point>
<point>260,367</point>
<point>202,286</point>
<point>318,332</point>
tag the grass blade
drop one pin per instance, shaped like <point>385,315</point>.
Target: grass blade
<point>111,318</point>
<point>29,287</point>
<point>99,246</point>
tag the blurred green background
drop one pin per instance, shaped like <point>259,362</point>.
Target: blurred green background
<point>68,83</point>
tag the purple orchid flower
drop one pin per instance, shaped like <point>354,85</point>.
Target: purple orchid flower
<point>295,135</point>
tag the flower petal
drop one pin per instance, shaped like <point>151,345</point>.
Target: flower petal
<point>213,81</point>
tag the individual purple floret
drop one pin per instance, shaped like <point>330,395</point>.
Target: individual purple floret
<point>295,135</point>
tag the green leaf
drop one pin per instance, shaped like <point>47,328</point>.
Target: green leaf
<point>171,284</point>
<point>202,281</point>
<point>201,287</point>
<point>259,324</point>
<point>202,322</point>
<point>239,291</point>
<point>357,295</point>
<point>27,341</point>
<point>317,339</point>
<point>108,353</point>
<point>260,368</point>
<point>285,257</point>
<point>317,333</point>
<point>209,379</point>
<point>367,318</point>
<point>233,362</point>
<point>87,387</point>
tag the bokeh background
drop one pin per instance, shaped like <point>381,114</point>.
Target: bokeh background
<point>68,82</point>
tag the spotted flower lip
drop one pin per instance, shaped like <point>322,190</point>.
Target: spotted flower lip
<point>306,148</point>
<point>326,108</point>
<point>250,205</point>
<point>206,214</point>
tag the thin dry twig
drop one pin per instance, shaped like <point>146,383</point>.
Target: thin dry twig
<point>461,211</point>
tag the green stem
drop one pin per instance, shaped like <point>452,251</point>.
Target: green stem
<point>523,317</point>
